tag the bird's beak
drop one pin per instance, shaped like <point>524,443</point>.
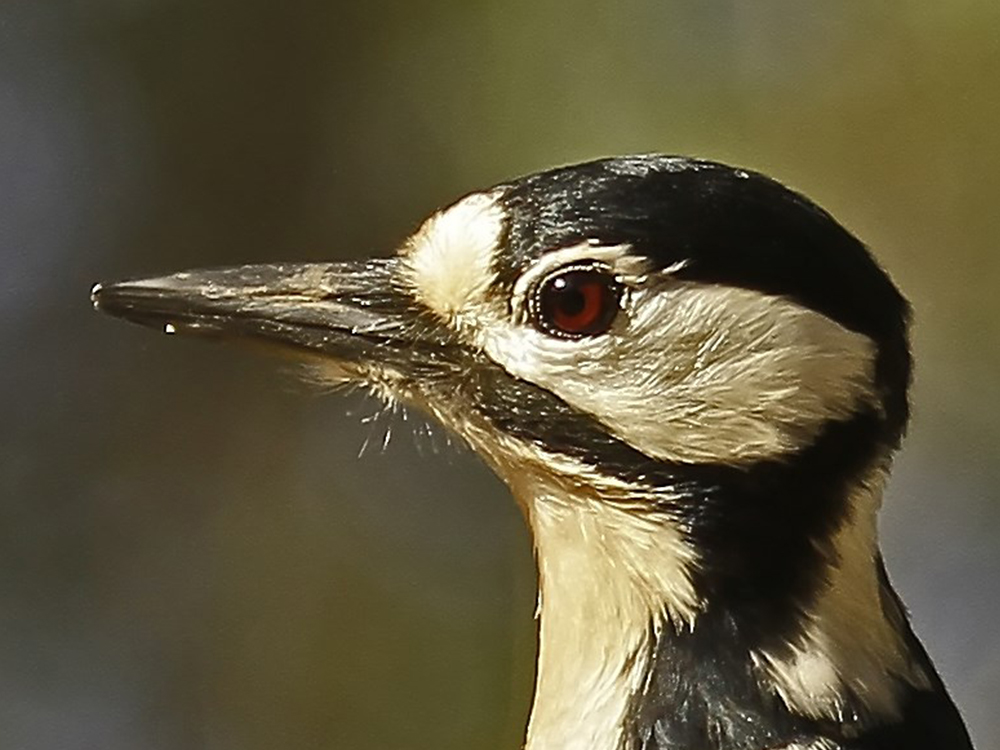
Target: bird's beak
<point>356,313</point>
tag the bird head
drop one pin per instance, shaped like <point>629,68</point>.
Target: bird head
<point>691,377</point>
<point>629,328</point>
<point>685,310</point>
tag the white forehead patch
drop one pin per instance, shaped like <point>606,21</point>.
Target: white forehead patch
<point>449,260</point>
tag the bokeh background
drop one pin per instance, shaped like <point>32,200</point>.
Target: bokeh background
<point>192,554</point>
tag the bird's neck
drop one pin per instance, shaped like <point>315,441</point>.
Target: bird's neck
<point>620,617</point>
<point>848,654</point>
<point>596,629</point>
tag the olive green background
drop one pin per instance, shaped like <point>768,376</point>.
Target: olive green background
<point>192,554</point>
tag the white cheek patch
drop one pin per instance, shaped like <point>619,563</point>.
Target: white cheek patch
<point>702,373</point>
<point>449,260</point>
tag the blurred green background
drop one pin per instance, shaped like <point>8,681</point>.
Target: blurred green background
<point>192,555</point>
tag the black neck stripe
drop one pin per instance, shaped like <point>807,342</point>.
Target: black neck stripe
<point>756,526</point>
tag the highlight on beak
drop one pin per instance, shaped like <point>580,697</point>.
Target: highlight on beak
<point>352,311</point>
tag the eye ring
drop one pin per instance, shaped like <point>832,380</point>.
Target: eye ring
<point>576,301</point>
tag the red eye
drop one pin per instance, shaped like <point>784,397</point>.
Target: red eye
<point>577,302</point>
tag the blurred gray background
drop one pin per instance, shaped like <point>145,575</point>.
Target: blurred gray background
<point>192,554</point>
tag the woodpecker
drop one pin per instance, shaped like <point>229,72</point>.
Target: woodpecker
<point>693,380</point>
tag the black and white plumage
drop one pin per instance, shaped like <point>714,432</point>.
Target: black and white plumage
<point>693,380</point>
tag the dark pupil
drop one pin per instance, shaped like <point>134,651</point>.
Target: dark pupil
<point>569,298</point>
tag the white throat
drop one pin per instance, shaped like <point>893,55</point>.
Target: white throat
<point>613,579</point>
<point>609,581</point>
